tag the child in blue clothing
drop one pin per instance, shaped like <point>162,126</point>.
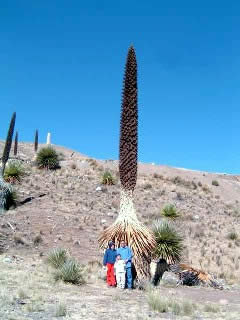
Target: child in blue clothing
<point>109,260</point>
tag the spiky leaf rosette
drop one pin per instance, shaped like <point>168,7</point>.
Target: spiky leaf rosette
<point>36,141</point>
<point>169,242</point>
<point>129,125</point>
<point>16,144</point>
<point>127,226</point>
<point>8,142</point>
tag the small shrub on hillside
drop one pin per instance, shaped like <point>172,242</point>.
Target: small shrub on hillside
<point>188,308</point>
<point>22,294</point>
<point>179,196</point>
<point>158,176</point>
<point>157,302</point>
<point>169,243</point>
<point>18,239</point>
<point>236,212</point>
<point>206,189</point>
<point>215,183</point>
<point>170,212</point>
<point>181,182</point>
<point>61,310</point>
<point>163,304</point>
<point>61,156</point>
<point>13,172</point>
<point>73,166</point>
<point>194,185</point>
<point>107,178</point>
<point>70,272</point>
<point>37,240</point>
<point>57,257</point>
<point>232,235</point>
<point>47,158</point>
<point>211,308</point>
<point>147,186</point>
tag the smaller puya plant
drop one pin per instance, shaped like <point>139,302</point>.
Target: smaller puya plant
<point>16,144</point>
<point>5,188</point>
<point>8,142</point>
<point>36,141</point>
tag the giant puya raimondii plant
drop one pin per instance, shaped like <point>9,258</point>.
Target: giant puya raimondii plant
<point>127,226</point>
<point>5,188</point>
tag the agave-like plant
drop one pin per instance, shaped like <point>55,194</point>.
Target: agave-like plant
<point>70,272</point>
<point>107,178</point>
<point>170,212</point>
<point>127,226</point>
<point>47,158</point>
<point>14,171</point>
<point>169,242</point>
<point>57,257</point>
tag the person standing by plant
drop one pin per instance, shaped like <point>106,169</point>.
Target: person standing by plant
<point>108,261</point>
<point>120,272</point>
<point>126,254</point>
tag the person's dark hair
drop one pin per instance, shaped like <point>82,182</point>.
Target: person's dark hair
<point>111,243</point>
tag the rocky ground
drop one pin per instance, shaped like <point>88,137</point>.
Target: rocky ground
<point>69,208</point>
<point>28,291</point>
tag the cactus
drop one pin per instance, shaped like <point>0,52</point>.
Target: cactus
<point>127,226</point>
<point>8,142</point>
<point>16,144</point>
<point>36,141</point>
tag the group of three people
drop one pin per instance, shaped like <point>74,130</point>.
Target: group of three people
<point>119,265</point>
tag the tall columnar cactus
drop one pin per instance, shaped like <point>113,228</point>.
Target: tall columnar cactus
<point>36,141</point>
<point>8,142</point>
<point>127,226</point>
<point>16,144</point>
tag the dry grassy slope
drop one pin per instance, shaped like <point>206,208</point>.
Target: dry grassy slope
<point>72,213</point>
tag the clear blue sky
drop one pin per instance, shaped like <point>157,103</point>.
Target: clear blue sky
<point>61,70</point>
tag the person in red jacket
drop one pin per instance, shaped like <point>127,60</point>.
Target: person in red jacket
<point>109,260</point>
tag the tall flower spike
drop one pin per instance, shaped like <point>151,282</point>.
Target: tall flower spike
<point>127,226</point>
<point>36,141</point>
<point>16,144</point>
<point>8,142</point>
<point>128,147</point>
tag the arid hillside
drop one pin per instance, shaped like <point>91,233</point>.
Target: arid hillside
<point>69,208</point>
